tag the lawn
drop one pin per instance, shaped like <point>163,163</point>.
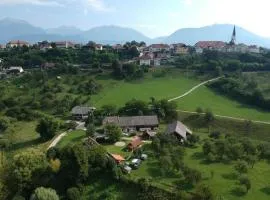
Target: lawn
<point>117,150</point>
<point>207,99</point>
<point>119,92</point>
<point>71,138</point>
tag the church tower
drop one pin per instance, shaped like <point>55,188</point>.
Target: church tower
<point>233,40</point>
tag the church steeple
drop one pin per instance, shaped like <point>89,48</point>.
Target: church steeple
<point>233,40</point>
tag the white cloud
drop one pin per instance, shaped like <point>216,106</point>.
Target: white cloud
<point>188,2</point>
<point>34,2</point>
<point>98,5</point>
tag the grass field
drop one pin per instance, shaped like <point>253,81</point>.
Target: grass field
<point>207,99</point>
<point>119,92</point>
<point>71,138</point>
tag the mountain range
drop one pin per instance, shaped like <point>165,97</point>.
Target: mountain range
<point>13,29</point>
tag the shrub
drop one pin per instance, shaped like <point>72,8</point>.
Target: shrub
<point>244,180</point>
<point>215,135</point>
<point>241,167</point>
<point>73,193</point>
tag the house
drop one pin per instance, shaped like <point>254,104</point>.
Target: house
<point>253,49</point>
<point>157,61</point>
<point>81,112</point>
<point>129,124</point>
<point>145,60</point>
<point>64,44</point>
<point>118,158</point>
<point>179,130</point>
<point>2,46</point>
<point>159,48</point>
<point>98,47</point>
<point>210,45</point>
<point>17,43</point>
<point>15,70</point>
<point>135,143</point>
<point>180,49</point>
<point>44,45</point>
<point>117,47</point>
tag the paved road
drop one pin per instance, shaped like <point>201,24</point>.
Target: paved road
<point>228,117</point>
<point>80,126</point>
<point>194,88</point>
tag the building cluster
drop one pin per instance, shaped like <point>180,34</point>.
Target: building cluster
<point>153,55</point>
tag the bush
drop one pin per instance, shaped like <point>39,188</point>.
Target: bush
<point>215,135</point>
<point>241,167</point>
<point>240,190</point>
<point>17,197</point>
<point>244,180</point>
<point>73,193</point>
<point>47,128</point>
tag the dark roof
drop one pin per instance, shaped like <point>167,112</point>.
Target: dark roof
<point>132,121</point>
<point>81,110</point>
<point>178,128</point>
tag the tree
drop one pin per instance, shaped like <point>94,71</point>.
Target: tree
<point>241,167</point>
<point>73,193</point>
<point>203,192</point>
<point>4,123</point>
<point>199,110</point>
<point>91,130</point>
<point>47,128</point>
<point>244,180</point>
<point>209,118</point>
<point>26,167</point>
<point>113,131</point>
<point>42,193</point>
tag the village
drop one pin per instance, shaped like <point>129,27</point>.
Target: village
<point>154,55</point>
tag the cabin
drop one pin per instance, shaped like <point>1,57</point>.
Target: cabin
<point>134,123</point>
<point>179,130</point>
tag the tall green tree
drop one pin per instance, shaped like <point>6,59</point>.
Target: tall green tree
<point>113,131</point>
<point>47,128</point>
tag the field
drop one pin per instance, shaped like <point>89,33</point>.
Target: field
<point>207,99</point>
<point>119,92</point>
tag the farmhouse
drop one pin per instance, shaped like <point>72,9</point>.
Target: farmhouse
<point>81,112</point>
<point>178,129</point>
<point>135,143</point>
<point>129,124</point>
<point>17,43</point>
<point>179,49</point>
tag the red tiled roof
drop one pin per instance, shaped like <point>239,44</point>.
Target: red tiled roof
<point>159,46</point>
<point>18,42</point>
<point>136,141</point>
<point>118,158</point>
<point>210,44</point>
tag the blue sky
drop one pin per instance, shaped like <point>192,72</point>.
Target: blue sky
<point>152,17</point>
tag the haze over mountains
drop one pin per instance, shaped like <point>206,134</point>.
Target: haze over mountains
<point>12,29</point>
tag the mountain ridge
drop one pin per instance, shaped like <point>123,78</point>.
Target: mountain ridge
<point>15,29</point>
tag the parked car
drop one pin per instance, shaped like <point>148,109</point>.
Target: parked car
<point>136,163</point>
<point>144,157</point>
<point>127,169</point>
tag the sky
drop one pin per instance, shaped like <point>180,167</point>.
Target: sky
<point>153,18</point>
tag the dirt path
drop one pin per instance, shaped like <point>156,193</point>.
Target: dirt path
<point>194,88</point>
<point>228,117</point>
